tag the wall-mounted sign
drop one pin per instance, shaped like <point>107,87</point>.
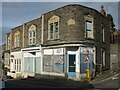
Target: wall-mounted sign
<point>59,51</point>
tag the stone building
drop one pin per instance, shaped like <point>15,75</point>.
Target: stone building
<point>63,44</point>
<point>32,48</point>
<point>14,44</point>
<point>115,51</point>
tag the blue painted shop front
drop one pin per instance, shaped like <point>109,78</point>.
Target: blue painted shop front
<point>79,60</point>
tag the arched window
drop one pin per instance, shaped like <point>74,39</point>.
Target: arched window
<point>32,35</point>
<point>8,42</point>
<point>53,28</point>
<point>17,38</point>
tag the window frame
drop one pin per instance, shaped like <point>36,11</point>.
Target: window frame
<point>17,40</point>
<point>103,34</point>
<point>89,18</point>
<point>103,57</point>
<point>32,32</point>
<point>9,43</point>
<point>53,20</point>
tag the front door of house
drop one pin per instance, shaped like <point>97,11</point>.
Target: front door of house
<point>71,65</point>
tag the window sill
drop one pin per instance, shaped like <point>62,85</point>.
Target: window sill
<point>31,44</point>
<point>89,38</point>
<point>53,39</point>
<point>16,47</point>
<point>103,42</point>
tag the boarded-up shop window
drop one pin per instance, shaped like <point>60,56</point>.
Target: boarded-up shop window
<point>58,63</point>
<point>53,63</point>
<point>48,63</point>
<point>28,64</point>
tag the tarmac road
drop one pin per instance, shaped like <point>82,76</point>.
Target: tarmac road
<point>46,84</point>
<point>112,82</point>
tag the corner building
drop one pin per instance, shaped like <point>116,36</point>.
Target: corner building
<point>65,42</point>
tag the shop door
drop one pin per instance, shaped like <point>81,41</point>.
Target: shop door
<point>71,65</point>
<point>37,65</point>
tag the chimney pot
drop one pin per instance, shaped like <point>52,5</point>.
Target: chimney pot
<point>102,10</point>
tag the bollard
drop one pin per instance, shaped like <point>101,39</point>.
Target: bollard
<point>88,75</point>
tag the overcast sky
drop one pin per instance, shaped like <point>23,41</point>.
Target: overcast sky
<point>17,13</point>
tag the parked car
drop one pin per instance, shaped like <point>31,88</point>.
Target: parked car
<point>2,82</point>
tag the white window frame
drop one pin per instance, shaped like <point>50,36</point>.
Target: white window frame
<point>54,19</point>
<point>17,40</point>
<point>32,30</point>
<point>89,18</point>
<point>54,31</point>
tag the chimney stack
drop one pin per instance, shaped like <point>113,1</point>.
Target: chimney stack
<point>102,10</point>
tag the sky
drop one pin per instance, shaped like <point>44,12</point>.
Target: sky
<point>17,13</point>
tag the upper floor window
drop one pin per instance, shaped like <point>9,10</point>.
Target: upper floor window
<point>53,28</point>
<point>103,34</point>
<point>8,42</point>
<point>89,27</point>
<point>32,35</point>
<point>17,39</point>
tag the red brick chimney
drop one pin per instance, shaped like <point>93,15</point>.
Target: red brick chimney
<point>102,10</point>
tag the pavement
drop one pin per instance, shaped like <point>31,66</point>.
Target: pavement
<point>106,75</point>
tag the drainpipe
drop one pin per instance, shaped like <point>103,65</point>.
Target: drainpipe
<point>42,29</point>
<point>23,35</point>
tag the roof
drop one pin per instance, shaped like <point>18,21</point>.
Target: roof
<point>116,32</point>
<point>64,7</point>
<point>79,6</point>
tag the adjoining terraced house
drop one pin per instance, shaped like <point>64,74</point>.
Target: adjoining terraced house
<point>14,44</point>
<point>64,44</point>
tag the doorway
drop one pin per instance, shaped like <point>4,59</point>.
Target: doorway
<point>71,65</point>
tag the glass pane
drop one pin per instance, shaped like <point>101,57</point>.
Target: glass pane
<point>56,26</point>
<point>31,64</point>
<point>20,68</point>
<point>51,31</point>
<point>89,34</point>
<point>51,28</point>
<point>33,40</point>
<point>51,35</point>
<point>71,60</point>
<point>15,64</point>
<point>30,34</point>
<point>56,29</point>
<point>19,61</point>
<point>37,65</point>
<point>33,33</point>
<point>56,35</point>
<point>30,41</point>
<point>89,25</point>
<point>71,69</point>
